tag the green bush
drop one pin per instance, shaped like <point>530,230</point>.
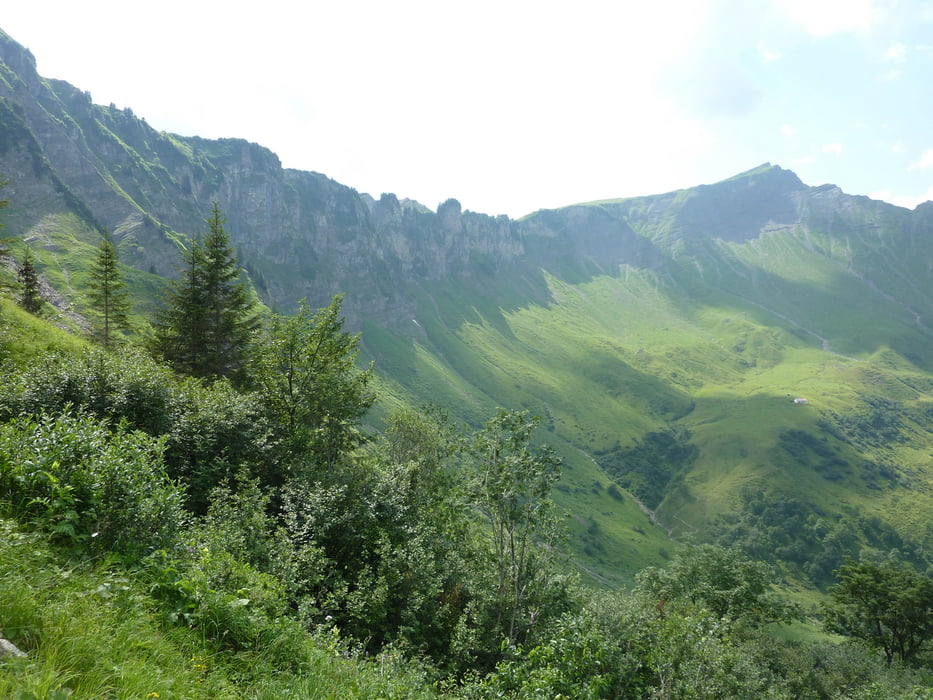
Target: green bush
<point>126,385</point>
<point>211,431</point>
<point>94,489</point>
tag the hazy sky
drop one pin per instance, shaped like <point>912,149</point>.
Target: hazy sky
<point>511,106</point>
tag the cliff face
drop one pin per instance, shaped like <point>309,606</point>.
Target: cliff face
<point>302,235</point>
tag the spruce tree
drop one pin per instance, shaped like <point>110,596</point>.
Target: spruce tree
<point>108,293</point>
<point>28,276</point>
<point>208,321</point>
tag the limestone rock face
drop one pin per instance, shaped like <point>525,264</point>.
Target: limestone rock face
<point>301,235</point>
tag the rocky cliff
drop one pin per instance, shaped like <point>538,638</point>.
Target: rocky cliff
<point>301,233</point>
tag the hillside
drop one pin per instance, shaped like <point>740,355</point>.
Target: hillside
<point>662,339</point>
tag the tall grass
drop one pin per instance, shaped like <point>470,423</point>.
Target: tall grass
<point>89,631</point>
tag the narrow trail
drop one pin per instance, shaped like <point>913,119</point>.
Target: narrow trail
<point>824,342</point>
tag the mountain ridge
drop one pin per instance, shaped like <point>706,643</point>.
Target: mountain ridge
<point>663,335</point>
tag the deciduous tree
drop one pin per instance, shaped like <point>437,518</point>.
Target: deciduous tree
<point>889,605</point>
<point>512,491</point>
<point>305,368</point>
<point>723,581</point>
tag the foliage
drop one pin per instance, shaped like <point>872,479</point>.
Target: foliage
<point>723,581</point>
<point>28,277</point>
<point>576,661</point>
<point>90,487</point>
<point>888,604</point>
<point>648,467</point>
<point>108,293</point>
<point>209,432</point>
<point>805,539</point>
<point>206,325</point>
<point>304,368</point>
<point>89,632</point>
<point>367,555</point>
<point>512,492</point>
<point>215,432</point>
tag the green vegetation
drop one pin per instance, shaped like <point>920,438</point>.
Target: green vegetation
<point>419,563</point>
<point>207,322</point>
<point>889,605</point>
<point>108,293</point>
<point>304,368</point>
<point>27,276</point>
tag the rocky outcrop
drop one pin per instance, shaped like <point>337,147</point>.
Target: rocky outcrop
<point>9,650</point>
<point>300,233</point>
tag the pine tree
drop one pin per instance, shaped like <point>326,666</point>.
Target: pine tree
<point>180,325</point>
<point>108,293</point>
<point>28,277</point>
<point>208,322</point>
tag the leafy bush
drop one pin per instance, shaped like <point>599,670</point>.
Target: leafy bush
<point>211,431</point>
<point>127,385</point>
<point>93,488</point>
<point>723,581</point>
<point>215,433</point>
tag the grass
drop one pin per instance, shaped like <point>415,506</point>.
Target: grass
<point>609,359</point>
<point>23,336</point>
<point>89,631</point>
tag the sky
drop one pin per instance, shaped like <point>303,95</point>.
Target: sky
<point>512,106</point>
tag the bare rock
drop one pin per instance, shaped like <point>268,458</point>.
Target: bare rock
<point>8,648</point>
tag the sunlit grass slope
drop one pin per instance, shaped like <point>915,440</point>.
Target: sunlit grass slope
<point>720,349</point>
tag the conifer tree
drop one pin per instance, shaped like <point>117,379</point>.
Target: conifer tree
<point>108,293</point>
<point>208,321</point>
<point>28,276</point>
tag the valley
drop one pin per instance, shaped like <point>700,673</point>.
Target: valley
<point>661,339</point>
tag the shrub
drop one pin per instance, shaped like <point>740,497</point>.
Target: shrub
<point>210,430</point>
<point>91,487</point>
<point>127,385</point>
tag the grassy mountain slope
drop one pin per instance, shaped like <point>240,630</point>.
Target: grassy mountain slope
<point>661,339</point>
<point>678,377</point>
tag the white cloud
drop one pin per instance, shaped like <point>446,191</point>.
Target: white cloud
<point>788,130</point>
<point>828,17</point>
<point>903,200</point>
<point>893,74</point>
<point>897,53</point>
<point>925,161</point>
<point>835,148</point>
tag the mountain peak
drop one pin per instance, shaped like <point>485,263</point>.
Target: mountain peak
<point>766,172</point>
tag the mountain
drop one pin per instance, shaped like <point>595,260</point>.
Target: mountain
<point>751,359</point>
